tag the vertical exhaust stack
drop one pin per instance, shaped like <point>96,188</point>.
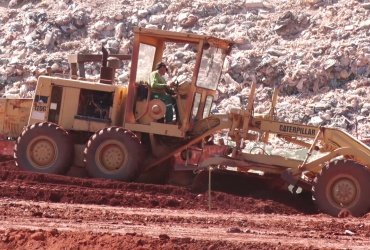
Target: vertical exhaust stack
<point>108,68</point>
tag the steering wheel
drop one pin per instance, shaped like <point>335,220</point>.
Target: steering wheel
<point>172,90</point>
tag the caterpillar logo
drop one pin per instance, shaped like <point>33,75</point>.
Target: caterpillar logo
<point>297,130</point>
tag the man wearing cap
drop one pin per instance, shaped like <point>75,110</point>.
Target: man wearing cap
<point>160,89</point>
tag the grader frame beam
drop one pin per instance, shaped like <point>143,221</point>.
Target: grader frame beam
<point>331,143</point>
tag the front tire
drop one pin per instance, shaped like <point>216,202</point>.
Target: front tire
<point>44,148</point>
<point>342,185</point>
<point>113,153</point>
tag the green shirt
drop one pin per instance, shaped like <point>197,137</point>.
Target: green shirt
<point>157,82</point>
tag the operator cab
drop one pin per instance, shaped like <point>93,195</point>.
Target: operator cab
<point>197,78</point>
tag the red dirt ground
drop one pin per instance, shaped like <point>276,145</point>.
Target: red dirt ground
<point>40,211</point>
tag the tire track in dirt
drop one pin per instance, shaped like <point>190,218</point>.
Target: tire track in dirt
<point>324,231</point>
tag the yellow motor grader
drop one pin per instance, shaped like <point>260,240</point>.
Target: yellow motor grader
<point>116,131</point>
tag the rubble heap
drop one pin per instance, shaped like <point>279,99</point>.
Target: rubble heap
<point>316,52</point>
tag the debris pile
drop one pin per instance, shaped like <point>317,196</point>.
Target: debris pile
<point>316,52</point>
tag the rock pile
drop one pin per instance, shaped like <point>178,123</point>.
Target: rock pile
<point>316,52</point>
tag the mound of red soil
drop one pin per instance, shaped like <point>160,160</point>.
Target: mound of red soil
<point>248,196</point>
<point>41,211</point>
<point>51,240</point>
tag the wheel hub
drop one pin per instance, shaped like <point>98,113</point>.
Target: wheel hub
<point>42,152</point>
<point>344,191</point>
<point>111,156</point>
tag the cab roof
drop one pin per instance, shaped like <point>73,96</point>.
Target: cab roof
<point>147,35</point>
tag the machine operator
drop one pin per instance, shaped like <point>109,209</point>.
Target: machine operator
<point>161,90</point>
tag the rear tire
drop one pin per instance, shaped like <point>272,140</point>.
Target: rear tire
<point>113,153</point>
<point>342,185</point>
<point>44,148</point>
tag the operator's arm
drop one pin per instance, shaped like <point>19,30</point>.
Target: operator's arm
<point>157,82</point>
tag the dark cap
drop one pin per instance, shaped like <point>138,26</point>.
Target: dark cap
<point>161,64</point>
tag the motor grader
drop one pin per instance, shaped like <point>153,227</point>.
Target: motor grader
<point>115,131</point>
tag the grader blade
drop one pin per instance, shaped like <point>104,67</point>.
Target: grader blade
<point>158,174</point>
<point>233,182</point>
<point>183,178</point>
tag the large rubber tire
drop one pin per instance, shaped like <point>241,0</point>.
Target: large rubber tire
<point>44,148</point>
<point>113,153</point>
<point>342,185</point>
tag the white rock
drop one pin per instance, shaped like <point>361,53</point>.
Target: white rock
<point>157,19</point>
<point>32,80</point>
<point>23,91</point>
<point>124,47</point>
<point>119,30</point>
<point>63,20</point>
<point>55,67</point>
<point>142,13</point>
<point>47,38</point>
<point>365,24</point>
<point>313,1</point>
<point>224,19</point>
<point>99,25</point>
<point>151,26</point>
<point>315,121</point>
<point>217,27</point>
<point>325,116</point>
<point>182,16</point>
<point>118,17</point>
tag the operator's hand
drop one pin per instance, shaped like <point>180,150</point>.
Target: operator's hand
<point>172,85</point>
<point>170,89</point>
